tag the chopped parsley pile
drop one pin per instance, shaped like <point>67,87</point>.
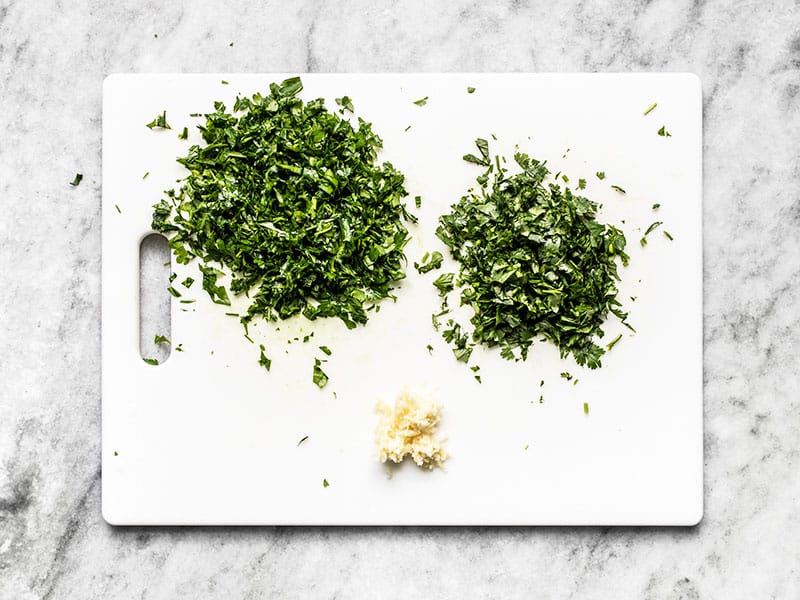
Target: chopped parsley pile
<point>534,263</point>
<point>289,198</point>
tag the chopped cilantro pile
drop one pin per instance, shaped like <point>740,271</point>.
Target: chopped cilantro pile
<point>534,262</point>
<point>290,198</point>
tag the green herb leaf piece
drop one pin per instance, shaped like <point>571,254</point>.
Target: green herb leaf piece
<point>160,339</point>
<point>187,283</point>
<point>614,342</point>
<point>581,184</point>
<point>303,439</point>
<point>183,135</point>
<point>77,181</point>
<point>119,210</point>
<point>160,122</point>
<point>616,188</point>
<point>586,408</point>
<point>174,292</point>
<point>656,206</point>
<point>663,132</point>
<point>346,103</point>
<point>145,176</point>
<point>418,201</point>
<point>668,236</point>
<point>224,82</point>
<point>470,90</point>
<point>151,361</point>
<point>566,375</point>
<point>326,350</point>
<point>430,349</point>
<point>429,262</point>
<point>319,377</point>
<point>444,283</point>
<point>421,101</point>
<point>650,109</point>
<point>325,483</point>
<point>263,360</point>
<point>653,226</point>
<point>600,175</point>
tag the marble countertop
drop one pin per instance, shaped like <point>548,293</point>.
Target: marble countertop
<point>53,541</point>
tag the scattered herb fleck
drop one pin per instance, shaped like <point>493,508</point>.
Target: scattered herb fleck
<point>160,122</point>
<point>119,210</point>
<point>417,201</point>
<point>319,377</point>
<point>586,408</point>
<point>613,342</point>
<point>77,180</point>
<point>656,206</point>
<point>303,439</point>
<point>444,283</point>
<point>616,188</point>
<point>650,108</point>
<point>430,261</point>
<point>223,82</point>
<point>145,176</point>
<point>326,350</point>
<point>407,128</point>
<point>600,175</point>
<point>566,375</point>
<point>470,90</point>
<point>668,236</point>
<point>325,483</point>
<point>263,360</point>
<point>150,361</point>
<point>346,103</point>
<point>161,339</point>
<point>184,134</point>
<point>581,184</point>
<point>174,292</point>
<point>421,101</point>
<point>663,132</point>
<point>430,349</point>
<point>187,283</point>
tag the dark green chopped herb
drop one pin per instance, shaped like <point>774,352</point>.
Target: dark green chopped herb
<point>183,135</point>
<point>668,236</point>
<point>232,314</point>
<point>575,381</point>
<point>478,378</point>
<point>430,349</point>
<point>172,277</point>
<point>119,210</point>
<point>650,108</point>
<point>444,283</point>
<point>187,301</point>
<point>145,175</point>
<point>581,184</point>
<point>421,101</point>
<point>217,293</point>
<point>187,283</point>
<point>303,439</point>
<point>231,44</point>
<point>151,361</point>
<point>565,178</point>
<point>346,103</point>
<point>470,90</point>
<point>326,350</point>
<point>319,377</point>
<point>653,226</point>
<point>614,342</point>
<point>308,337</point>
<point>534,262</point>
<point>174,292</point>
<point>417,201</point>
<point>179,348</point>
<point>195,114</point>
<point>430,261</point>
<point>462,347</point>
<point>600,175</point>
<point>160,122</point>
<point>407,128</point>
<point>475,368</point>
<point>325,483</point>
<point>483,148</point>
<point>263,360</point>
<point>663,132</point>
<point>586,408</point>
<point>566,375</point>
<point>616,188</point>
<point>116,453</point>
<point>656,206</point>
<point>526,446</point>
<point>288,197</point>
<point>224,82</point>
<point>77,180</point>
<point>541,399</point>
<point>161,339</point>
<point>541,383</point>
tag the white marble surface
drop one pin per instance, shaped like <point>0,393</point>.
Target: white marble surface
<point>53,57</point>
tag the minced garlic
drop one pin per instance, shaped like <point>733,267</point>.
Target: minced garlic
<point>408,429</point>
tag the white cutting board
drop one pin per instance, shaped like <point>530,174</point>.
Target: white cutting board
<point>212,438</point>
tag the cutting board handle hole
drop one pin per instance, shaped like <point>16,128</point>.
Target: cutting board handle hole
<point>155,302</point>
